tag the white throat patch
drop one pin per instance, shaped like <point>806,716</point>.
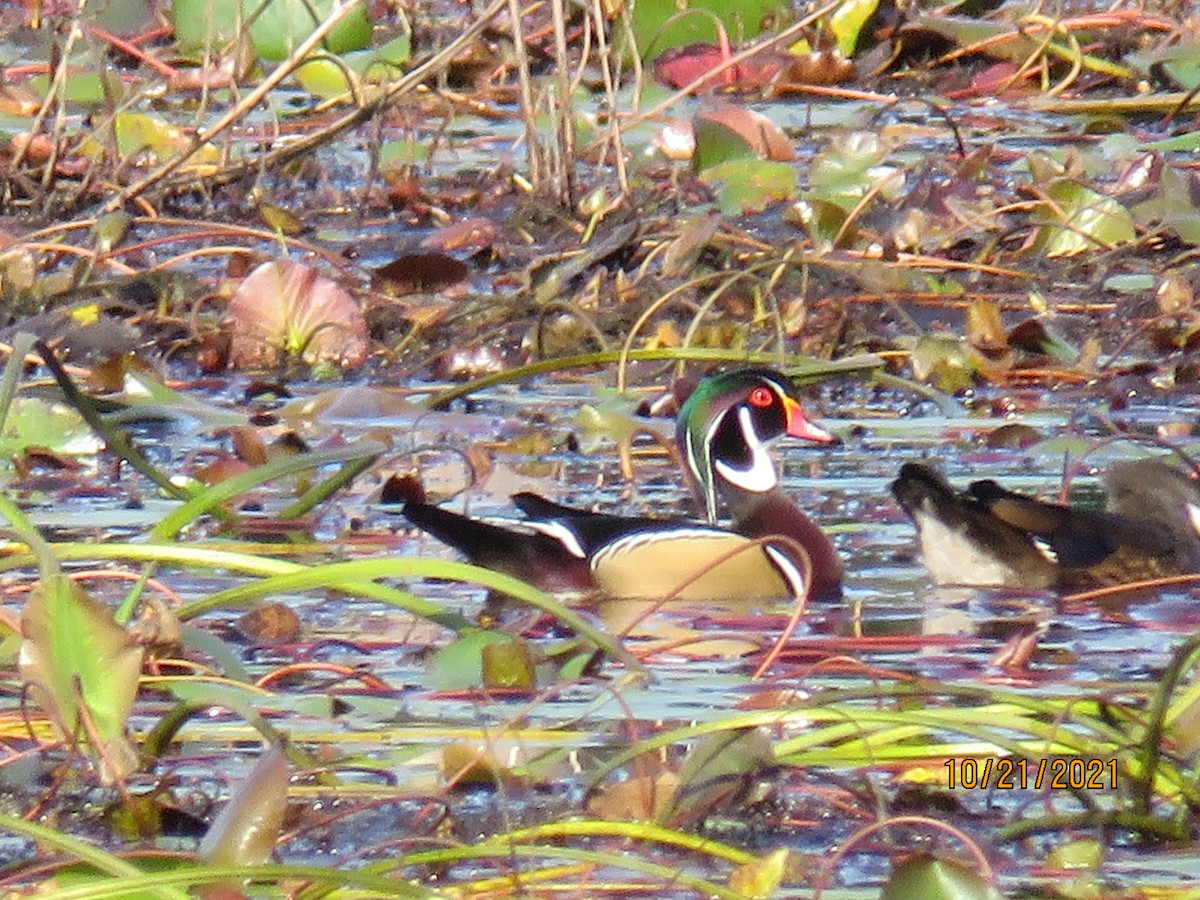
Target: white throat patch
<point>760,476</point>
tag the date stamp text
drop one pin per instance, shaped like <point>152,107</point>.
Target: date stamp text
<point>1054,773</point>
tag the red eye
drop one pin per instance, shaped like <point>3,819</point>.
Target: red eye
<point>761,397</point>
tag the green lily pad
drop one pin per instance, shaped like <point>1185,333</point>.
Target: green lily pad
<point>459,665</point>
<point>658,25</point>
<point>851,167</point>
<point>1093,221</point>
<point>207,25</point>
<point>750,185</point>
<point>930,878</point>
<point>33,422</point>
<point>326,77</point>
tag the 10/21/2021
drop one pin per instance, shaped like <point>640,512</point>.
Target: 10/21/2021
<point>1055,773</point>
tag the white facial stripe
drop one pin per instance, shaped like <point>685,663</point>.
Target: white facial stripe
<point>760,476</point>
<point>701,467</point>
<point>559,532</point>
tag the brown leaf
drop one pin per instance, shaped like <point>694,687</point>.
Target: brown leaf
<point>420,273</point>
<point>471,235</point>
<point>820,67</point>
<point>272,623</point>
<point>157,628</point>
<point>635,799</point>
<point>763,136</point>
<point>985,330</point>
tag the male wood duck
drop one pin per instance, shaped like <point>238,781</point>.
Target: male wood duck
<point>722,430</point>
<point>986,536</point>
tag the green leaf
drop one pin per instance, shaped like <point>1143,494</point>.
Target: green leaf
<point>85,87</point>
<point>717,143</point>
<point>943,360</point>
<point>847,22</point>
<point>73,651</point>
<point>508,665</point>
<point>750,185</point>
<point>1093,221</point>
<point>930,878</point>
<point>657,25</point>
<point>718,773</point>
<point>1080,854</point>
<point>207,25</point>
<point>326,77</point>
<point>459,665</point>
<point>33,422</point>
<point>849,168</point>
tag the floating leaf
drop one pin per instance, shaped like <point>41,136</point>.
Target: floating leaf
<point>681,66</point>
<point>285,309</point>
<point>1081,854</point>
<point>111,228</point>
<point>421,273</point>
<point>280,26</point>
<point>822,221</point>
<point>750,185</point>
<point>508,665</point>
<point>73,652</point>
<point>929,878</point>
<point>638,798</point>
<point>943,360</point>
<point>136,132</point>
<point>326,77</point>
<point>849,168</point>
<point>86,88</point>
<point>33,422</point>
<point>271,623</point>
<point>470,764</point>
<point>985,329</point>
<point>734,132</point>
<point>1013,436</point>
<point>657,25</point>
<point>1092,221</point>
<point>459,665</point>
<point>471,235</point>
<point>1171,205</point>
<point>245,831</point>
<point>1036,336</point>
<point>1180,62</point>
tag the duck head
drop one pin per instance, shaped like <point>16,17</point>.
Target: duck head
<point>724,428</point>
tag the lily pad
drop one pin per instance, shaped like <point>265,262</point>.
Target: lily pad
<point>658,25</point>
<point>1092,221</point>
<point>750,185</point>
<point>287,309</point>
<point>207,25</point>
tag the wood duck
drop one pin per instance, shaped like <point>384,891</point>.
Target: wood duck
<point>987,536</point>
<point>722,431</point>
